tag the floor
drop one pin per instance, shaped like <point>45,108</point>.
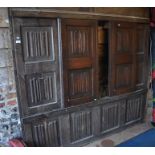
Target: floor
<point>115,139</point>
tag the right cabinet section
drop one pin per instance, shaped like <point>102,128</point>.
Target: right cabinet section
<point>141,51</point>
<point>128,47</point>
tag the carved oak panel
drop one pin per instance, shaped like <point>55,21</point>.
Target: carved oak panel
<point>109,117</point>
<point>81,125</point>
<point>39,45</point>
<point>41,89</point>
<point>123,75</point>
<point>46,133</point>
<point>79,57</point>
<point>80,83</point>
<point>79,39</point>
<point>134,109</point>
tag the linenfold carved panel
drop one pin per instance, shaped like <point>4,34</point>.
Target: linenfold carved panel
<point>79,40</point>
<point>41,89</point>
<point>123,75</point>
<point>80,125</point>
<point>46,133</point>
<point>38,43</point>
<point>80,82</point>
<point>123,40</point>
<point>110,116</point>
<point>133,108</point>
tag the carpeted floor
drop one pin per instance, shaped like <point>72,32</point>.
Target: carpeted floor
<point>146,139</point>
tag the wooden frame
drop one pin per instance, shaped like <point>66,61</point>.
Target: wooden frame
<point>78,125</point>
<point>69,119</point>
<point>142,17</point>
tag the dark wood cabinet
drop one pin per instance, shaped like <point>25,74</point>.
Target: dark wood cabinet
<point>78,79</point>
<point>37,63</point>
<point>122,57</point>
<point>79,59</point>
<point>128,56</point>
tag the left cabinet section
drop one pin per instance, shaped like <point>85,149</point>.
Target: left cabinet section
<point>37,63</point>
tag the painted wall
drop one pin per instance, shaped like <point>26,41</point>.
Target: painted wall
<point>9,115</point>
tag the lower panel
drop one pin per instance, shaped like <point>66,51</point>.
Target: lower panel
<point>134,107</point>
<point>110,116</point>
<point>44,133</point>
<point>77,125</point>
<point>81,125</point>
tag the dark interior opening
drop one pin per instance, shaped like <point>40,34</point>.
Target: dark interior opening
<point>103,58</point>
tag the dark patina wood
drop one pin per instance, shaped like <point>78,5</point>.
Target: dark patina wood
<point>80,124</point>
<point>37,63</point>
<point>80,61</point>
<point>128,56</point>
<point>122,57</point>
<point>122,14</point>
<point>54,55</point>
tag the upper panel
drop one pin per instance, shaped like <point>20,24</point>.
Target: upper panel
<point>38,44</point>
<point>79,38</point>
<point>123,40</point>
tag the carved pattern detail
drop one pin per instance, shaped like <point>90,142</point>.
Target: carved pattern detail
<point>123,40</point>
<point>46,134</point>
<point>80,82</point>
<point>39,45</point>
<point>123,75</point>
<point>133,108</point>
<point>110,117</point>
<point>80,125</point>
<point>79,42</point>
<point>42,88</point>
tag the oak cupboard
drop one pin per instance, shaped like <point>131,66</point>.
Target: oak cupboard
<point>81,73</point>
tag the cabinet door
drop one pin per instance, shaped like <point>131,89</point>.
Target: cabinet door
<point>122,59</point>
<point>142,47</point>
<point>36,55</point>
<point>79,56</point>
